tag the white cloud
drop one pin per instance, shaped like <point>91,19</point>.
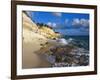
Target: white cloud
<point>66,21</point>
<point>84,22</point>
<point>57,14</point>
<point>54,24</point>
<point>51,24</point>
<point>80,22</point>
<point>76,21</point>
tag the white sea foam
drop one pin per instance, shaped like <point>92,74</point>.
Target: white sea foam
<point>62,41</point>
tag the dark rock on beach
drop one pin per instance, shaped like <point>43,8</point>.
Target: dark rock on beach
<point>65,56</point>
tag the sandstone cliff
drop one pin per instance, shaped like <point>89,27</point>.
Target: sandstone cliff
<point>29,25</point>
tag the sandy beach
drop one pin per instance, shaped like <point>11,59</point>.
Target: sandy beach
<point>31,43</point>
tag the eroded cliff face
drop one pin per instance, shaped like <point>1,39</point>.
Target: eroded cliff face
<point>32,41</point>
<point>48,33</point>
<point>28,23</point>
<point>31,28</point>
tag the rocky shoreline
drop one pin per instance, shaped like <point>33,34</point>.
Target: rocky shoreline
<point>65,56</point>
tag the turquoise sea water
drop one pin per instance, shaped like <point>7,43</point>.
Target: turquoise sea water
<point>80,41</point>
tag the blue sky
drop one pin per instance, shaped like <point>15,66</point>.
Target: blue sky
<point>64,23</point>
